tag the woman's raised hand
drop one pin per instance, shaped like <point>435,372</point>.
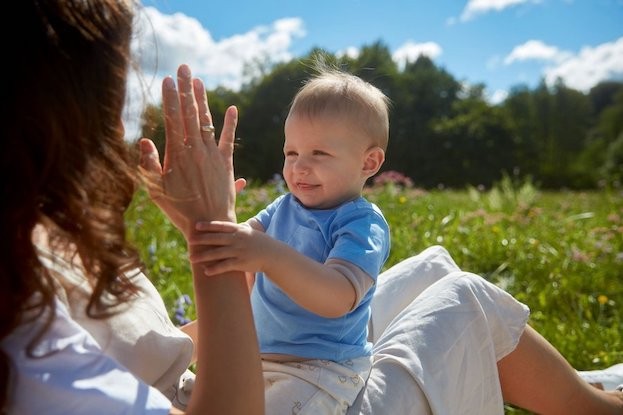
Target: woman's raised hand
<point>196,180</point>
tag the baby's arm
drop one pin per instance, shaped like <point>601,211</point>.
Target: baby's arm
<point>320,288</point>
<point>250,275</point>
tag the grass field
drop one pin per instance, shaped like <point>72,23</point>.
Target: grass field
<point>560,253</point>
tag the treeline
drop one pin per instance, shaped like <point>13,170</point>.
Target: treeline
<point>442,133</point>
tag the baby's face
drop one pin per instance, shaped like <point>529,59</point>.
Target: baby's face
<point>324,161</point>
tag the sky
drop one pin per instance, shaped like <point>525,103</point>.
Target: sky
<point>498,43</point>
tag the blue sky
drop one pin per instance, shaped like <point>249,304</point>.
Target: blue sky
<point>500,43</point>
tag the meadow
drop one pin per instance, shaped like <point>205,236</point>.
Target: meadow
<point>561,253</point>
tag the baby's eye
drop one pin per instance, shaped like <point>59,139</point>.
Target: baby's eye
<point>320,153</point>
<point>291,153</point>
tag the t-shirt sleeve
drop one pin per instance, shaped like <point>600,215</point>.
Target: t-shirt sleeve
<point>265,215</point>
<point>69,374</point>
<point>360,281</point>
<point>362,238</point>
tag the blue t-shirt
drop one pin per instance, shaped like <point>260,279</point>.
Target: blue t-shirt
<point>356,232</point>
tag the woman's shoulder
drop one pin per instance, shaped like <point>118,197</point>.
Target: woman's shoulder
<point>139,334</point>
<point>62,362</point>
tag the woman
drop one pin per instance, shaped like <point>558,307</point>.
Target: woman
<point>68,179</point>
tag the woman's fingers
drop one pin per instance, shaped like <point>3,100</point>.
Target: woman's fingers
<point>189,106</point>
<point>149,158</point>
<point>196,179</point>
<point>228,134</point>
<point>173,123</point>
<point>150,167</point>
<point>206,124</point>
<point>240,184</point>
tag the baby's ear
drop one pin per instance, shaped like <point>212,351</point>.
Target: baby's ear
<point>373,161</point>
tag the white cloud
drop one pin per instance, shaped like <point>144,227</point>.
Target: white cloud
<point>580,71</point>
<point>590,66</point>
<point>352,52</point>
<point>166,41</point>
<point>478,7</point>
<point>535,50</point>
<point>410,51</point>
<point>163,42</point>
<point>497,96</point>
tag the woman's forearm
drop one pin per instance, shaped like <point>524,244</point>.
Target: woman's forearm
<point>229,375</point>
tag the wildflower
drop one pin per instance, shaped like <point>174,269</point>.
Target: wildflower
<point>393,177</point>
<point>579,256</point>
<point>602,299</point>
<point>181,305</point>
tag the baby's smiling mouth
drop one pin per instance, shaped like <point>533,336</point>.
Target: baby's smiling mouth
<point>306,186</point>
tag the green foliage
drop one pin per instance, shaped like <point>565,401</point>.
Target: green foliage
<point>610,128</point>
<point>478,141</point>
<point>162,249</point>
<point>612,170</point>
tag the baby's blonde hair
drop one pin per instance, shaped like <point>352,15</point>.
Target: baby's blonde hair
<point>335,93</point>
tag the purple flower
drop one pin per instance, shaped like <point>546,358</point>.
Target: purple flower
<point>181,305</point>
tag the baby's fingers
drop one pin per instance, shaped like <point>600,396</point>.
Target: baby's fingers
<point>211,263</point>
<point>219,267</point>
<point>216,226</point>
<point>210,239</point>
<point>202,253</point>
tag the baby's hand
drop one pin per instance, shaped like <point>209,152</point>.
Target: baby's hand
<point>228,246</point>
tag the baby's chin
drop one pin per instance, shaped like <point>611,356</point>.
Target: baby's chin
<point>316,204</point>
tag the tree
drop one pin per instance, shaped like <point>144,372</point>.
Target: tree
<point>603,95</point>
<point>520,105</point>
<point>476,145</point>
<point>553,125</point>
<point>609,132</point>
<point>424,94</point>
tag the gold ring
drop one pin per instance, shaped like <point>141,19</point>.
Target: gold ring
<point>208,128</point>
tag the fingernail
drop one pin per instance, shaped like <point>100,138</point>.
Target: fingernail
<point>184,70</point>
<point>168,83</point>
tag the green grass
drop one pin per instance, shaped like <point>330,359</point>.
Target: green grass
<point>560,253</point>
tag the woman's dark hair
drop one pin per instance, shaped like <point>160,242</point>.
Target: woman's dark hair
<point>64,161</point>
